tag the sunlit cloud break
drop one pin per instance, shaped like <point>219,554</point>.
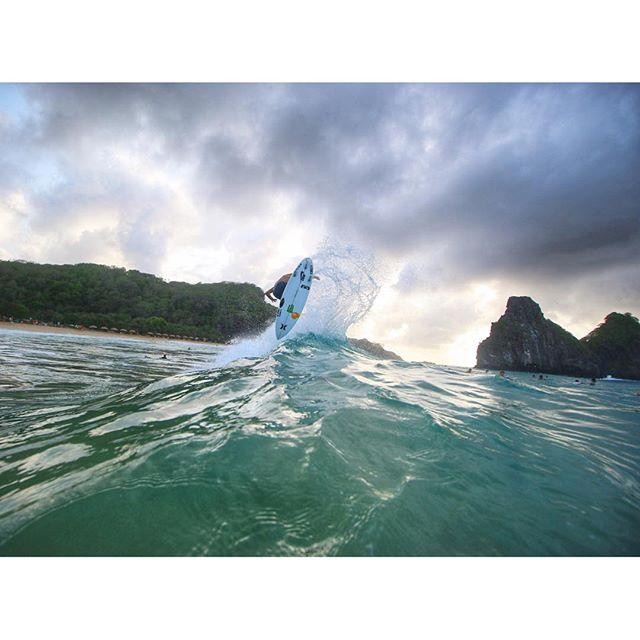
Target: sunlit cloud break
<point>467,193</point>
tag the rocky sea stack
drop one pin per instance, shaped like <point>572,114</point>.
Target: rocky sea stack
<point>524,340</point>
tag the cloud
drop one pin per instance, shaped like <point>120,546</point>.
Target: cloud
<point>527,188</point>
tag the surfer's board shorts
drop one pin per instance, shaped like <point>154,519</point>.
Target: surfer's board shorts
<point>278,290</point>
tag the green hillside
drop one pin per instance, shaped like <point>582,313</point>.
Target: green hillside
<point>92,294</point>
<point>616,345</point>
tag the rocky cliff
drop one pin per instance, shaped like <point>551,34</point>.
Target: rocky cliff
<point>524,340</point>
<point>374,349</point>
<point>615,345</point>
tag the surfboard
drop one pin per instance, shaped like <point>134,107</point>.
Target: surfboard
<point>294,298</point>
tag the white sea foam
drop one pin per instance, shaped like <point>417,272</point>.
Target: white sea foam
<point>343,295</point>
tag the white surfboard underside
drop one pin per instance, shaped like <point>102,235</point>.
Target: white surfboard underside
<point>294,298</point>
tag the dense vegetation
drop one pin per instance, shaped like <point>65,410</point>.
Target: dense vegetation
<point>616,345</point>
<point>91,294</point>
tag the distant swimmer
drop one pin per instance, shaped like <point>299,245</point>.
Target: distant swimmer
<point>275,293</point>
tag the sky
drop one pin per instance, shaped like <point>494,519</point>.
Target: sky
<point>464,194</point>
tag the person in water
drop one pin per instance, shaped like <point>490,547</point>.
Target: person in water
<point>275,293</point>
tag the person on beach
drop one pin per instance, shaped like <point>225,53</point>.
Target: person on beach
<point>275,293</point>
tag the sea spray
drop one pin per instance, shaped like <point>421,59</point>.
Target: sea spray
<point>252,347</point>
<point>344,294</point>
<point>345,291</point>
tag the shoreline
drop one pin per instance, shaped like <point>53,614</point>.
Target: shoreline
<point>38,328</point>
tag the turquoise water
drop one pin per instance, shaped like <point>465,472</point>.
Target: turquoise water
<point>309,447</point>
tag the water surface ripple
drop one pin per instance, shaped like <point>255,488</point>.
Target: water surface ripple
<point>312,449</point>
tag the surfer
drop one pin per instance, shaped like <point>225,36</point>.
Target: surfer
<point>275,293</point>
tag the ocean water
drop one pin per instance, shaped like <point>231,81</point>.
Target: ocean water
<point>305,447</point>
<point>312,449</point>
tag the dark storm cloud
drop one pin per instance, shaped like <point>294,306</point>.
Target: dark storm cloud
<point>547,180</point>
<point>493,178</point>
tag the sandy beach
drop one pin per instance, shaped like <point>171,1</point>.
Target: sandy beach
<point>36,328</point>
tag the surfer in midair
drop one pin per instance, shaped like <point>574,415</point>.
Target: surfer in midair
<point>275,293</point>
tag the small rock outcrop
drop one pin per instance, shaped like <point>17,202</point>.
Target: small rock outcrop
<point>374,349</point>
<point>615,345</point>
<point>524,340</point>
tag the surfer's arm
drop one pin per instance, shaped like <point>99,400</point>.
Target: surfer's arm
<point>268,294</point>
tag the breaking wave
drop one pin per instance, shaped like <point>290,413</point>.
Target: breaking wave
<point>346,290</point>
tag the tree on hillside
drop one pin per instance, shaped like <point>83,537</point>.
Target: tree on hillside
<point>91,294</point>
